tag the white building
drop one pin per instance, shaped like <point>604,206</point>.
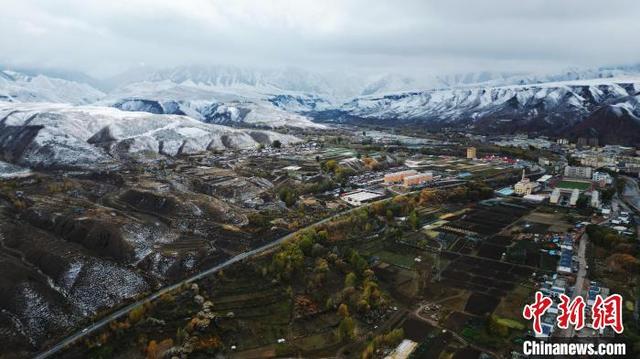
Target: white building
<point>525,186</point>
<point>357,198</point>
<point>416,163</point>
<point>555,196</point>
<point>403,350</point>
<point>535,198</point>
<point>544,179</point>
<point>575,194</point>
<point>577,172</point>
<point>595,199</point>
<point>557,193</point>
<point>602,177</point>
<point>543,161</point>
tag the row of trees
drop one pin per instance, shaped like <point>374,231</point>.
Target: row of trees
<point>388,340</point>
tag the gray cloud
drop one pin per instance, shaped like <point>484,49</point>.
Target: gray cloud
<point>104,37</point>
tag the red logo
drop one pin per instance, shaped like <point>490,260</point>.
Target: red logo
<point>536,310</point>
<point>571,312</point>
<point>605,312</point>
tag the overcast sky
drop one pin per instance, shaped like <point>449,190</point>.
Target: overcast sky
<point>108,36</point>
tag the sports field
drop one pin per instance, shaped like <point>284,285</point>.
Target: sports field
<point>582,186</point>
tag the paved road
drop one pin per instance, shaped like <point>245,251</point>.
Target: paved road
<point>125,310</point>
<point>581,277</point>
<point>240,257</point>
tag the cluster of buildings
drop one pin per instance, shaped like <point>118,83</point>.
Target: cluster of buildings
<point>586,150</point>
<point>621,223</point>
<point>561,281</point>
<point>611,157</point>
<point>564,281</point>
<point>565,189</point>
<point>524,142</point>
<point>554,287</point>
<point>575,182</point>
<point>408,178</point>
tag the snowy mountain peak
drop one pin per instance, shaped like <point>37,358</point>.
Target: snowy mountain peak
<point>20,87</point>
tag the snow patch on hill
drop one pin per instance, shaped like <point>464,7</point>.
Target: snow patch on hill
<point>261,106</point>
<point>55,135</point>
<point>522,101</point>
<point>18,87</point>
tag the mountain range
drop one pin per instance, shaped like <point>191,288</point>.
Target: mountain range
<point>597,102</point>
<point>552,108</point>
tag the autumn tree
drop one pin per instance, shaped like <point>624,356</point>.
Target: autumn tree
<point>346,329</point>
<point>343,310</point>
<point>152,350</point>
<point>136,314</point>
<point>413,220</point>
<point>289,259</point>
<point>363,306</point>
<point>624,263</point>
<point>288,195</point>
<point>350,280</point>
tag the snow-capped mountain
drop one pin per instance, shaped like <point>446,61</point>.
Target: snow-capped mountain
<point>218,95</point>
<point>63,136</point>
<point>225,95</point>
<point>553,107</point>
<point>20,87</point>
<point>237,104</point>
<point>502,78</point>
<point>498,102</point>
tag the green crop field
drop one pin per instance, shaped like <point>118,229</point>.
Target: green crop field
<point>583,186</point>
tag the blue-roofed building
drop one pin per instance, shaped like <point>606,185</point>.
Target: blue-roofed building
<point>548,325</point>
<point>505,192</point>
<point>565,263</point>
<point>558,287</point>
<point>545,288</point>
<point>567,243</point>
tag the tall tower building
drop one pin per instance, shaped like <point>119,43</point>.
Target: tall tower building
<point>471,153</point>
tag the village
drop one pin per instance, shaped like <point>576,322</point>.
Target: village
<point>424,254</point>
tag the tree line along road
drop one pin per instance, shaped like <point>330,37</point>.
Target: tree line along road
<point>60,346</point>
